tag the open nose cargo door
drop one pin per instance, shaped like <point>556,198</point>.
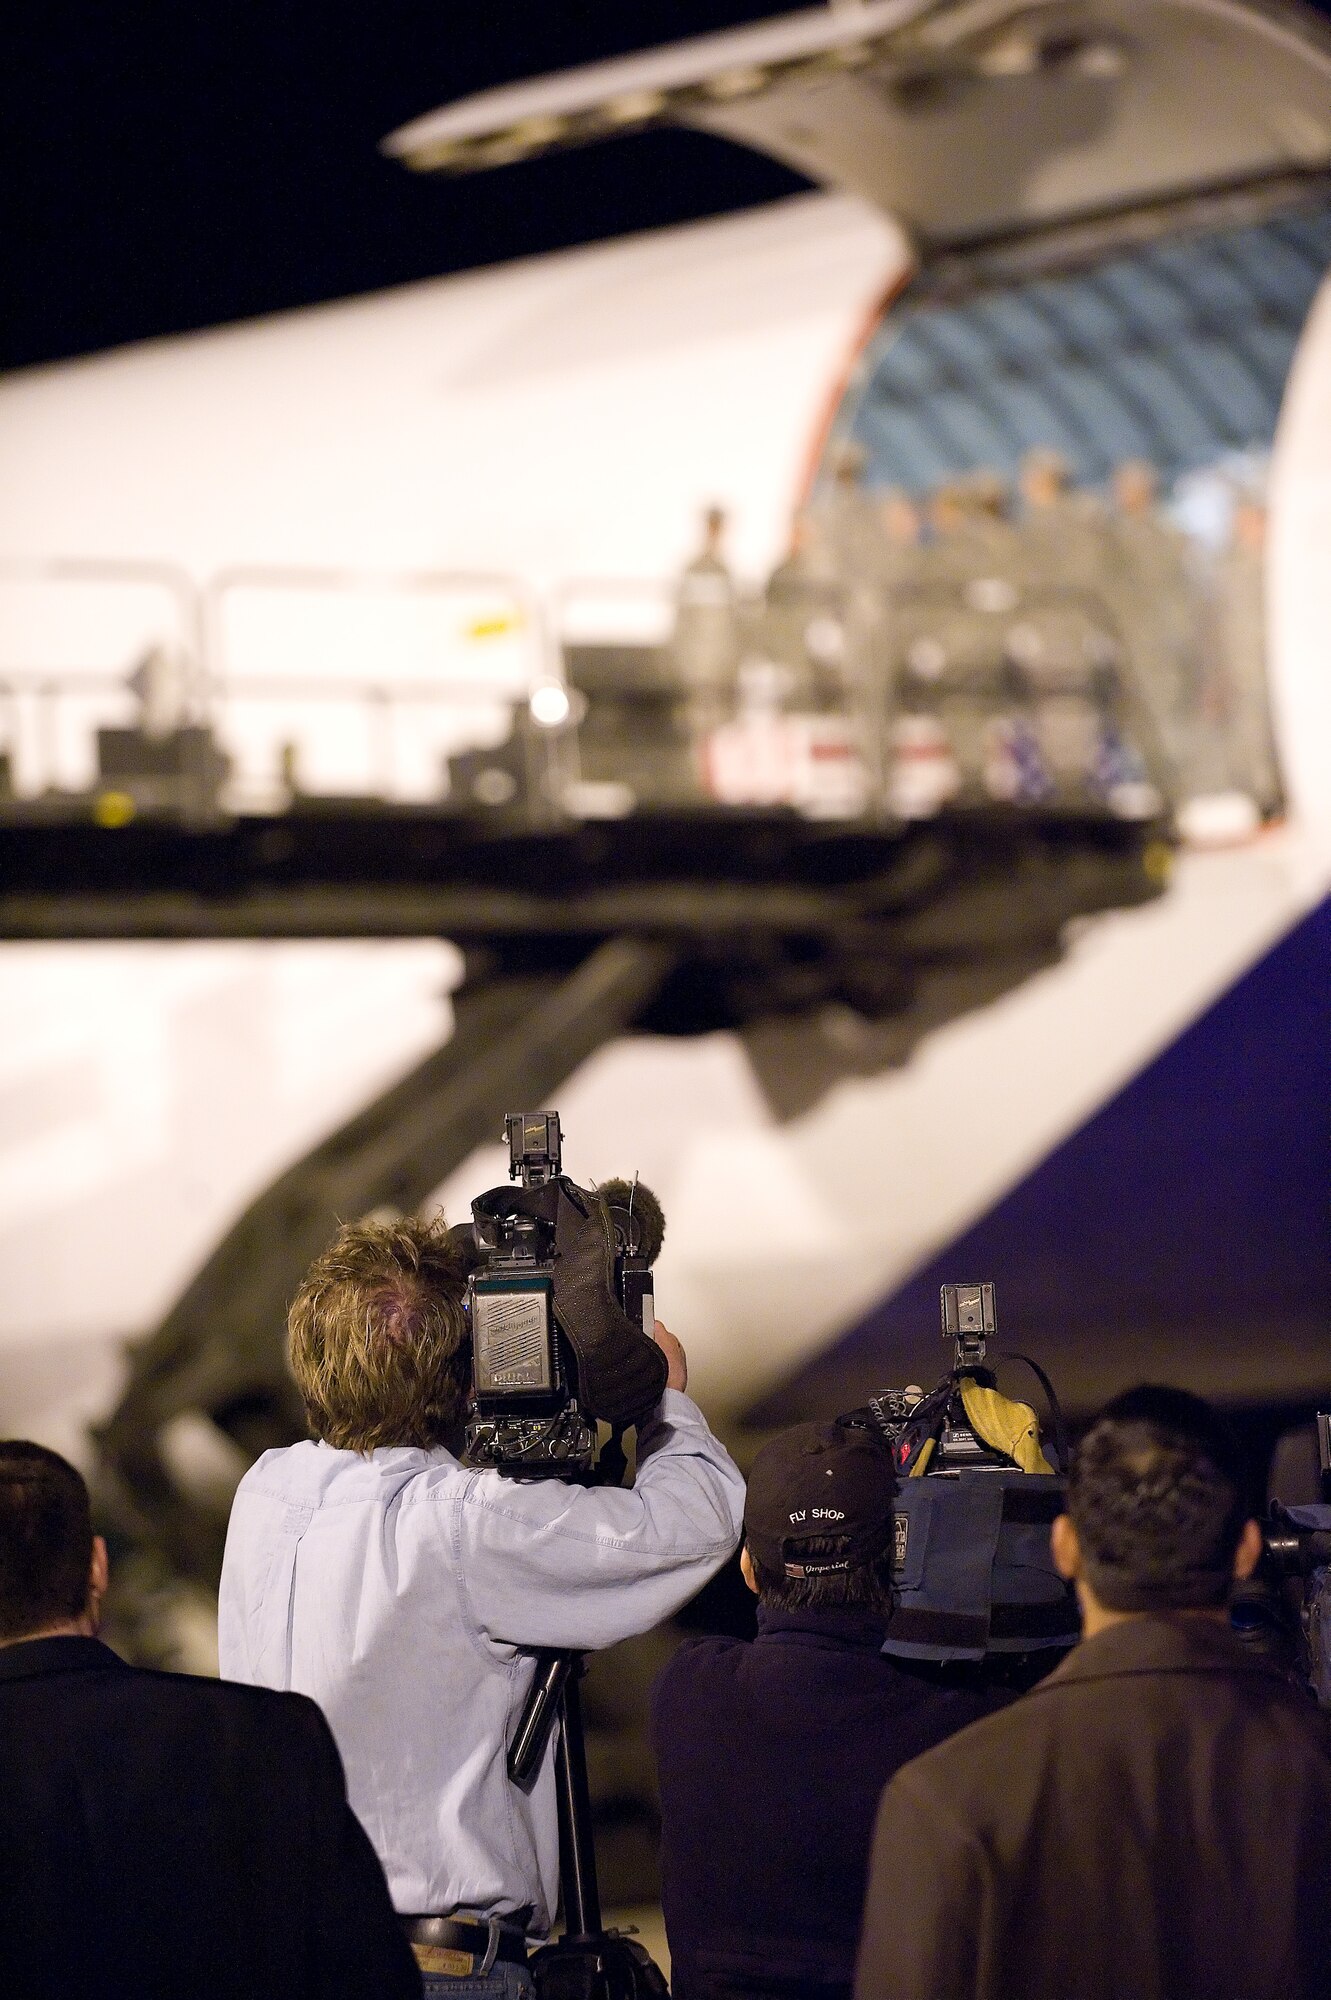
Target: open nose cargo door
<point>965,121</point>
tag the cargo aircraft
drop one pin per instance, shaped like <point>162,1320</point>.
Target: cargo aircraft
<point>1071,1052</point>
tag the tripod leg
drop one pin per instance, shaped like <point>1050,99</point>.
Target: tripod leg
<point>540,1715</point>
<point>587,1963</point>
<point>577,1851</point>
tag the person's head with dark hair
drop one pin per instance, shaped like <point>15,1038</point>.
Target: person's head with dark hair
<point>818,1521</point>
<point>1156,1518</point>
<point>52,1566</point>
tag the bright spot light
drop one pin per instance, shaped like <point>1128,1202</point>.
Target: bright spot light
<point>549,705</point>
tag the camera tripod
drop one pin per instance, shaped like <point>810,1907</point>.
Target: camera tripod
<point>587,1962</point>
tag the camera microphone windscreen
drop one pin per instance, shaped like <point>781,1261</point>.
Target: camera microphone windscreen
<point>637,1215</point>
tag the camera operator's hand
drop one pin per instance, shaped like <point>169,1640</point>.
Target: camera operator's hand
<point>678,1378</point>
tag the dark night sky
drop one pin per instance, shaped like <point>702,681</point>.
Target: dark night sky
<point>170,164</point>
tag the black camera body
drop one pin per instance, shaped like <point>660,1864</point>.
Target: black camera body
<point>1296,1541</point>
<point>525,1415</point>
<point>560,1306</point>
<point>972,1573</point>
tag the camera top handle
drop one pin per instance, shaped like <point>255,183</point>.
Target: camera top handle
<point>535,1147</point>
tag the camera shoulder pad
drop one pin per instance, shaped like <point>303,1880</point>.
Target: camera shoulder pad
<point>621,1370</point>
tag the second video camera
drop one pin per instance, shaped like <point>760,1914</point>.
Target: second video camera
<point>976,1496</point>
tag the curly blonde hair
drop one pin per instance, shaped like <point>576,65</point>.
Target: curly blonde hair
<point>378,1338</point>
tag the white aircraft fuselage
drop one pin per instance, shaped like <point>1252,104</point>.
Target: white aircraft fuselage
<point>550,420</point>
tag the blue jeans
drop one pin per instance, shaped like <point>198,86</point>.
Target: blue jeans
<point>502,1982</point>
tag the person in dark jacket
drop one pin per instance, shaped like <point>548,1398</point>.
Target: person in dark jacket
<point>1155,1818</point>
<point>162,1837</point>
<point>773,1753</point>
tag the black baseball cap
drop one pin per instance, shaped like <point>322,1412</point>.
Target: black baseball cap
<point>819,1480</point>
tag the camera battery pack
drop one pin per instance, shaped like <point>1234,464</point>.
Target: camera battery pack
<point>513,1341</point>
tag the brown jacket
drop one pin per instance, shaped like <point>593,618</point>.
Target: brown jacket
<point>1153,1822</point>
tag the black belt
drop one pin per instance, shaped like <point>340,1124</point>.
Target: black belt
<point>471,1936</point>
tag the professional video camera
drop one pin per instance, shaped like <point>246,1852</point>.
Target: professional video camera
<point>1284,1609</point>
<point>952,1426</point>
<point>561,1313</point>
<point>972,1571</point>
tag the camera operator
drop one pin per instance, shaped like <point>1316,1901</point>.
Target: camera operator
<point>373,1571</point>
<point>773,1754</point>
<point>1155,1818</point>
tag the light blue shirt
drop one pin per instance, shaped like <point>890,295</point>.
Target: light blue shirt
<point>398,1588</point>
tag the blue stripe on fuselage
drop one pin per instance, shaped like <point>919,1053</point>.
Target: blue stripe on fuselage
<point>1186,1220</point>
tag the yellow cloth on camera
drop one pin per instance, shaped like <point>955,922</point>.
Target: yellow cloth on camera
<point>1007,1426</point>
